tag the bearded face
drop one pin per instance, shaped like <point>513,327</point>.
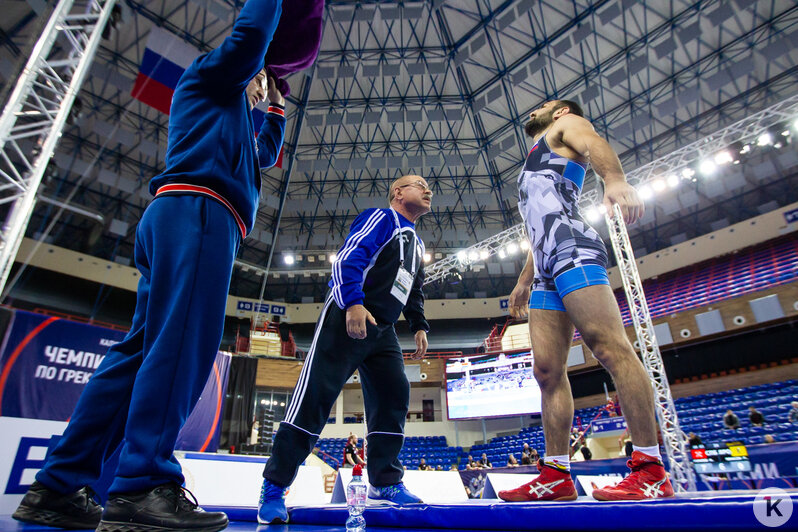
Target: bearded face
<point>537,125</point>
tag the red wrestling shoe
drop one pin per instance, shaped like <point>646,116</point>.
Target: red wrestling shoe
<point>553,484</point>
<point>647,480</point>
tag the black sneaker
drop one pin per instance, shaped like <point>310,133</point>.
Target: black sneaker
<point>163,509</point>
<point>44,506</point>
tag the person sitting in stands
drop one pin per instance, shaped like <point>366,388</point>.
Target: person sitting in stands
<point>769,438</point>
<point>731,421</point>
<point>694,440</point>
<point>351,456</point>
<point>484,463</point>
<point>755,417</point>
<point>526,457</point>
<point>793,416</point>
<point>439,467</point>
<point>511,461</point>
<point>422,466</point>
<point>472,464</point>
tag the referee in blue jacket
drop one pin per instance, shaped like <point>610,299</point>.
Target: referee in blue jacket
<point>378,274</point>
<point>186,242</point>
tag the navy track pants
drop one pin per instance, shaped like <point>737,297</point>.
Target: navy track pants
<point>333,358</point>
<point>147,385</point>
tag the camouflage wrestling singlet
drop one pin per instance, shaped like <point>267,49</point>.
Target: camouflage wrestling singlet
<point>568,253</point>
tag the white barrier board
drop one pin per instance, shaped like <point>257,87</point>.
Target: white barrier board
<point>497,482</point>
<point>433,487</point>
<point>233,482</point>
<point>23,446</point>
<point>592,482</point>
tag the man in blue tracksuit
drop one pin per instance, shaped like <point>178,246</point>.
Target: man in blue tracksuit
<point>378,274</point>
<point>205,204</point>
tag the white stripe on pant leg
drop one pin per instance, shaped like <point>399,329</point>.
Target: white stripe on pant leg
<point>293,406</point>
<point>299,390</point>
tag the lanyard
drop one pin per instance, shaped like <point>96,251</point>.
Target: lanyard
<point>402,245</point>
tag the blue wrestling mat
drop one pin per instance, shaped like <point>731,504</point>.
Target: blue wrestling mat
<point>699,511</point>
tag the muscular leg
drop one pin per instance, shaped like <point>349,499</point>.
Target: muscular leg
<point>595,313</point>
<point>551,333</point>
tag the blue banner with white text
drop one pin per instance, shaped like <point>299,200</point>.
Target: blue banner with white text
<point>46,361</point>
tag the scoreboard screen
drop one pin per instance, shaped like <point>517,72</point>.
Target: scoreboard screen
<point>729,457</point>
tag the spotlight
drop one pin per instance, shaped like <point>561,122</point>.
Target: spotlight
<point>602,209</point>
<point>764,139</point>
<point>707,167</point>
<point>288,259</point>
<point>673,181</point>
<point>723,157</point>
<point>333,258</point>
<point>786,133</point>
<point>688,173</point>
<point>645,192</point>
<point>593,215</point>
<point>502,253</point>
<point>658,185</point>
<point>777,145</point>
<point>461,256</point>
<point>473,256</point>
<point>745,149</point>
<point>524,245</point>
<point>795,124</point>
<point>512,248</point>
<point>427,257</point>
<point>484,254</point>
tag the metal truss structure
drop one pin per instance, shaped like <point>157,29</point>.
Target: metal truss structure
<point>673,439</point>
<point>736,135</point>
<point>38,109</point>
<point>439,88</point>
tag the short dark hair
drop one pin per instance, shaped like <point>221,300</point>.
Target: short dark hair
<point>573,107</point>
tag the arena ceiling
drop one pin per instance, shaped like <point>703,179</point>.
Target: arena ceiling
<point>442,89</point>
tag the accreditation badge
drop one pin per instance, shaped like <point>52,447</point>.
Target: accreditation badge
<point>402,285</point>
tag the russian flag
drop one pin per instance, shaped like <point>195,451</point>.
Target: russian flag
<point>166,57</point>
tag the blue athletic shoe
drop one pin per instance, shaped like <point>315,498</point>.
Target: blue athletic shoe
<point>271,506</point>
<point>393,495</point>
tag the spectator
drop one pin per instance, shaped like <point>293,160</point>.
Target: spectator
<point>577,439</point>
<point>484,463</point>
<point>755,417</point>
<point>439,468</point>
<point>769,438</point>
<point>423,465</point>
<point>472,464</point>
<point>453,467</point>
<point>511,461</point>
<point>533,454</point>
<point>694,440</point>
<point>731,421</point>
<point>587,454</point>
<point>351,457</point>
<point>794,412</point>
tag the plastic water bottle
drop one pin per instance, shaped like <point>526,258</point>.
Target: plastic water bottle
<point>356,501</point>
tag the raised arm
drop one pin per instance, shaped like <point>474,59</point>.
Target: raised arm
<point>579,135</point>
<point>272,131</point>
<point>240,56</point>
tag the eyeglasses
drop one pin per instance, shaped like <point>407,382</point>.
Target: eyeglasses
<point>419,184</point>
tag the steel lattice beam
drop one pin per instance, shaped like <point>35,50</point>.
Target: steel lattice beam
<point>673,438</point>
<point>38,110</point>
